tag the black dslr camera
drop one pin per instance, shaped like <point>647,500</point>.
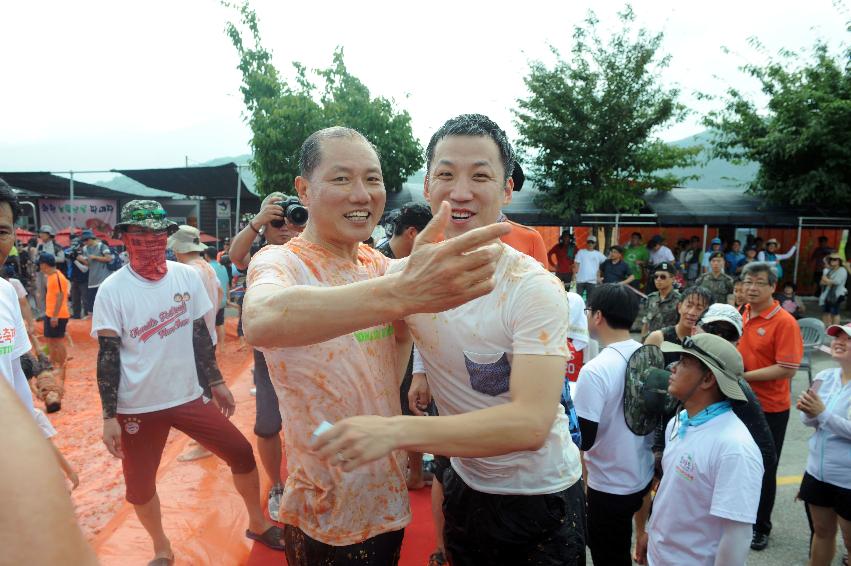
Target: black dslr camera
<point>293,211</point>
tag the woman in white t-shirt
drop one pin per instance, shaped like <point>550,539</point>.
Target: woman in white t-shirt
<point>826,487</point>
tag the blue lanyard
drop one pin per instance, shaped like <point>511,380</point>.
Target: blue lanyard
<point>703,416</point>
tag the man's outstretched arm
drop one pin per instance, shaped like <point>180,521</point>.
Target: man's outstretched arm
<point>437,276</point>
<point>522,424</point>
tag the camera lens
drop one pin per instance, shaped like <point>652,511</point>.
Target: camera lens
<point>297,214</point>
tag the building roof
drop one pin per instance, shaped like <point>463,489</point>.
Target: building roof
<point>50,185</point>
<point>218,181</point>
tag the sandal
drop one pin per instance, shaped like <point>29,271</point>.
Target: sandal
<point>271,537</point>
<point>437,559</point>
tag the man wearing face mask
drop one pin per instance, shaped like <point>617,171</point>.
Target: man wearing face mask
<point>147,316</point>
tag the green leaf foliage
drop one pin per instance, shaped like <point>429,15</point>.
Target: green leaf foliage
<point>802,140</point>
<point>282,116</point>
<point>590,122</point>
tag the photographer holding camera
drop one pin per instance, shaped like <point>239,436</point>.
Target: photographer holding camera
<point>280,219</point>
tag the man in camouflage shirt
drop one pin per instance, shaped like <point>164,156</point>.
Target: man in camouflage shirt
<point>718,283</point>
<point>660,309</point>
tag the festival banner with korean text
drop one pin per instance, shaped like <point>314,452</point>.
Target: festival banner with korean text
<point>92,214</point>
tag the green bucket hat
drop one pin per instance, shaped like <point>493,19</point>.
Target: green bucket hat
<point>146,214</point>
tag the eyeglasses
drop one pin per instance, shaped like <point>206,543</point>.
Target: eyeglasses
<point>157,214</point>
<point>588,310</point>
<point>757,284</point>
<point>660,277</point>
<point>688,344</point>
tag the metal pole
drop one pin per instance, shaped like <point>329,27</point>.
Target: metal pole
<point>705,235</point>
<point>616,231</point>
<point>72,203</point>
<point>797,251</point>
<point>238,191</point>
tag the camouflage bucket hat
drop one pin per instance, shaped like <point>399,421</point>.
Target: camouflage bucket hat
<point>145,214</point>
<point>645,399</point>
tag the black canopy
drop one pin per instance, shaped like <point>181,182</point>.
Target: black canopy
<point>50,185</point>
<point>726,207</point>
<point>211,182</point>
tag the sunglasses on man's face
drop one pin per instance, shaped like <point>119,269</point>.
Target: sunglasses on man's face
<point>660,277</point>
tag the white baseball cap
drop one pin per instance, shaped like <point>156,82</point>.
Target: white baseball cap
<point>724,313</point>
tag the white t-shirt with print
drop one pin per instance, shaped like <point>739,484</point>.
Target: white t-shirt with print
<point>589,264</point>
<point>154,320</point>
<point>468,352</point>
<point>620,462</point>
<point>14,343</point>
<point>711,475</point>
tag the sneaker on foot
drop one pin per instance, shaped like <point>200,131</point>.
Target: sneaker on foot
<point>759,541</point>
<point>275,496</point>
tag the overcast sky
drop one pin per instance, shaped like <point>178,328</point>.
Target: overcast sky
<point>107,84</point>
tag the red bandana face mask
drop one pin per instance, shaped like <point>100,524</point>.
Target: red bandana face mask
<point>147,253</point>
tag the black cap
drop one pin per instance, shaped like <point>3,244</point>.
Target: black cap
<point>666,266</point>
<point>47,258</point>
<point>716,254</point>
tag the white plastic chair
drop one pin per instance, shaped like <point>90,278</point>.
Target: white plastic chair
<point>813,334</point>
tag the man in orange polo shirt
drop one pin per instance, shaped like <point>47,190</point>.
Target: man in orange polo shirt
<point>771,348</point>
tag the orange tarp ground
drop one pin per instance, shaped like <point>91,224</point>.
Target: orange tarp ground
<point>203,515</point>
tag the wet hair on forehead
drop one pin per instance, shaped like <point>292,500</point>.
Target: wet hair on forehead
<point>476,125</point>
<point>697,295</point>
<point>310,154</point>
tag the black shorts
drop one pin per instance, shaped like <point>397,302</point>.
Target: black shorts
<point>220,317</point>
<point>57,331</point>
<point>267,420</point>
<point>483,528</point>
<point>380,550</point>
<point>823,494</point>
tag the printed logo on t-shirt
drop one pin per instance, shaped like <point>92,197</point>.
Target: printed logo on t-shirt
<point>686,468</point>
<point>7,341</point>
<point>169,321</point>
<point>374,333</point>
<point>132,425</point>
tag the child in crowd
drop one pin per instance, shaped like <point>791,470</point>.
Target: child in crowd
<point>790,301</point>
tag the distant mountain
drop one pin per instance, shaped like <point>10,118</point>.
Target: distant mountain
<point>713,173</point>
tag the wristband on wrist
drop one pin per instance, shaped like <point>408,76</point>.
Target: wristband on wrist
<point>251,225</point>
<point>214,383</point>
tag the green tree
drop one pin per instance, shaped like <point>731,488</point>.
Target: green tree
<point>802,139</point>
<point>281,116</point>
<point>590,123</point>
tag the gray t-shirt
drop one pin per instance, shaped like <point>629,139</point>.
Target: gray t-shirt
<point>98,270</point>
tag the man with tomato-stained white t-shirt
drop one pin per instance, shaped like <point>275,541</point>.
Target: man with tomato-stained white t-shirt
<point>495,366</point>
